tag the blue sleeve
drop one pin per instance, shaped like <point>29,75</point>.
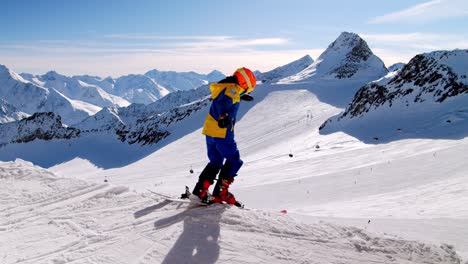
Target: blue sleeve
<point>223,105</point>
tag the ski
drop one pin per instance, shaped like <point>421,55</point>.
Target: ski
<point>186,197</point>
<point>177,200</point>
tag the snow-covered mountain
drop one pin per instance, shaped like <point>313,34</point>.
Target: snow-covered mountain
<point>431,88</point>
<point>396,66</point>
<point>44,126</point>
<point>139,89</point>
<point>135,88</point>
<point>285,71</point>
<point>348,57</point>
<point>107,84</point>
<point>180,81</point>
<point>153,85</point>
<point>30,98</point>
<point>76,89</point>
<point>147,124</point>
<point>9,113</point>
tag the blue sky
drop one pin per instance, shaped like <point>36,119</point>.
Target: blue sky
<point>118,37</point>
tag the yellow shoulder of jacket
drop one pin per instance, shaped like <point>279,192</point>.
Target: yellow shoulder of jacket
<point>231,90</point>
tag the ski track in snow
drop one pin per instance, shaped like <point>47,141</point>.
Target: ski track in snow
<point>49,219</point>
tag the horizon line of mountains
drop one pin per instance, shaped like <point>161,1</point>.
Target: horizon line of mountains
<point>133,106</point>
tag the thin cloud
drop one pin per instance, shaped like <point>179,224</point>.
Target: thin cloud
<point>161,37</point>
<point>125,63</point>
<point>195,45</point>
<point>418,41</point>
<point>428,11</point>
<point>231,43</point>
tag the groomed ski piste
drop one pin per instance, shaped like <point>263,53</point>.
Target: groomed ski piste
<point>50,219</point>
<point>399,201</point>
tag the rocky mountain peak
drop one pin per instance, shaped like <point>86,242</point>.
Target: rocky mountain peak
<point>433,77</point>
<point>347,57</point>
<point>44,126</point>
<point>348,40</point>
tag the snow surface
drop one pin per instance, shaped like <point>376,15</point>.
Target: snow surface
<point>49,219</point>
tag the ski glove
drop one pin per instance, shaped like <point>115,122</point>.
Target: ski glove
<point>246,97</point>
<point>223,121</point>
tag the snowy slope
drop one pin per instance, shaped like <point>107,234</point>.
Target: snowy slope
<point>335,177</point>
<point>49,219</point>
<point>348,57</point>
<point>107,84</point>
<point>139,89</point>
<point>396,67</point>
<point>431,90</point>
<point>76,89</point>
<point>181,81</point>
<point>285,70</point>
<point>9,113</point>
<point>31,98</point>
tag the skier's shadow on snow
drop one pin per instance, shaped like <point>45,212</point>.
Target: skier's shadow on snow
<point>198,242</point>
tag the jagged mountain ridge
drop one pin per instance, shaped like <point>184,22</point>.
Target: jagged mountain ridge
<point>149,130</point>
<point>432,76</point>
<point>147,124</point>
<point>76,89</point>
<point>429,94</point>
<point>285,71</point>
<point>9,113</point>
<point>139,89</point>
<point>181,81</point>
<point>44,126</point>
<point>85,95</point>
<point>396,66</point>
<point>30,98</point>
<point>348,57</point>
<point>107,84</point>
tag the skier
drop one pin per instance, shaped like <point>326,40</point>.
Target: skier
<point>223,155</point>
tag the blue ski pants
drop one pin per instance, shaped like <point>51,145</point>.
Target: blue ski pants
<point>220,149</point>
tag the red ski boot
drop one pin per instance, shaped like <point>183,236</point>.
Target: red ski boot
<point>221,193</point>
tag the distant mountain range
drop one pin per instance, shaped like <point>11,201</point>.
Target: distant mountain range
<point>434,77</point>
<point>78,97</point>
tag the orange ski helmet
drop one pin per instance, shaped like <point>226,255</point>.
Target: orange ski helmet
<point>246,79</point>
